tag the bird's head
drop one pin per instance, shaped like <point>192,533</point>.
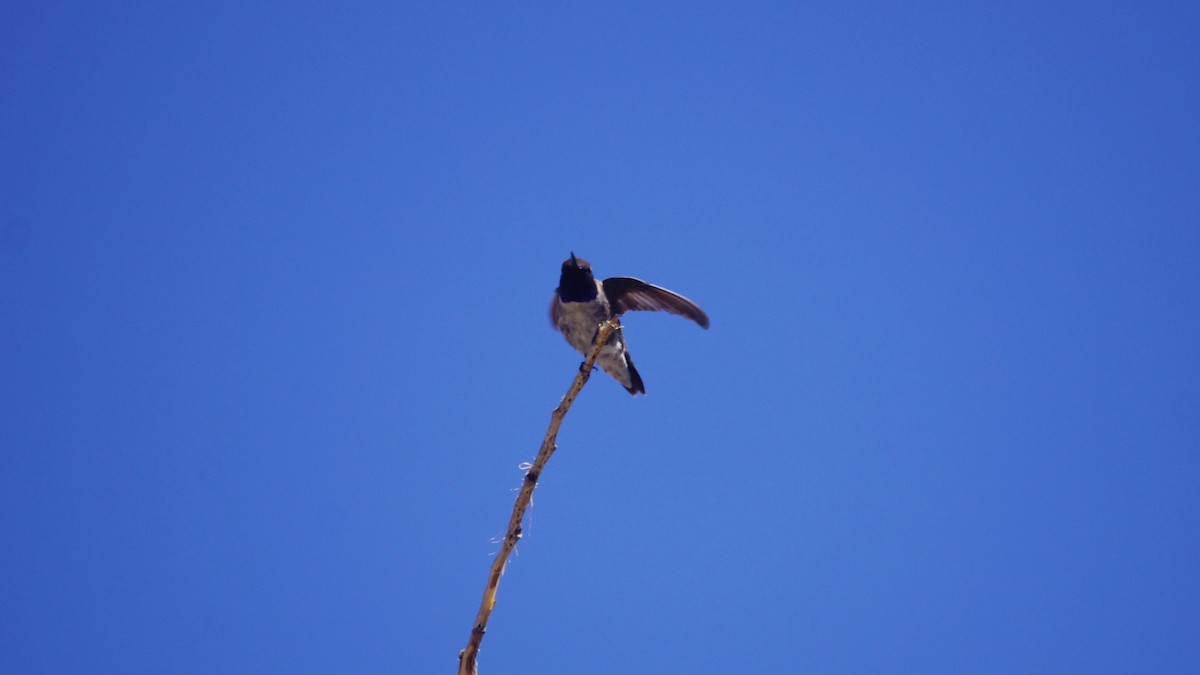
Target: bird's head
<point>576,282</point>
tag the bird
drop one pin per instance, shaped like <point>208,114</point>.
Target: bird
<point>580,304</point>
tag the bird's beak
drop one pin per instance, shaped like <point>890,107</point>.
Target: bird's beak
<point>573,261</point>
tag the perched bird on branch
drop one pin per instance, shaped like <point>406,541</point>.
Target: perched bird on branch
<point>581,304</point>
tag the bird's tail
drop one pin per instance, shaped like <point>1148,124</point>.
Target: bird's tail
<point>635,385</point>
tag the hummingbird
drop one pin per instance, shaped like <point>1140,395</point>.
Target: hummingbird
<point>581,304</point>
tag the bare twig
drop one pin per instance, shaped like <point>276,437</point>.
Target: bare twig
<point>467,657</point>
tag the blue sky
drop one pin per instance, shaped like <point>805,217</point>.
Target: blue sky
<point>273,288</point>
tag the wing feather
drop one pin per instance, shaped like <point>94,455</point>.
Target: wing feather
<point>629,294</point>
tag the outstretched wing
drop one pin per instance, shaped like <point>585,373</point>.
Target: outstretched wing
<point>628,294</point>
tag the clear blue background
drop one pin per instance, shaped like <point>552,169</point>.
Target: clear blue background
<point>274,341</point>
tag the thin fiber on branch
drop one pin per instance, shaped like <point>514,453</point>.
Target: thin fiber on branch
<point>468,656</point>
